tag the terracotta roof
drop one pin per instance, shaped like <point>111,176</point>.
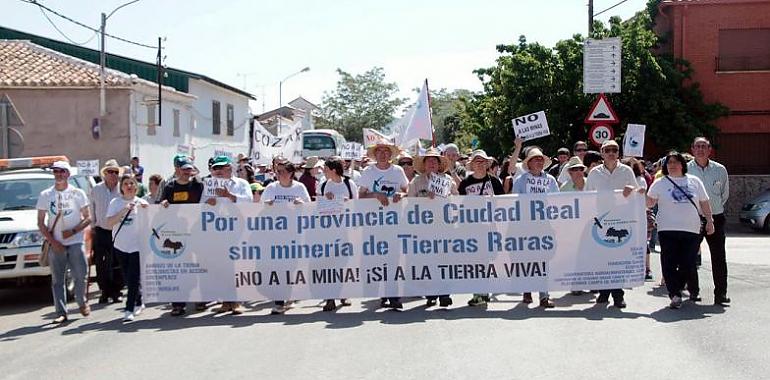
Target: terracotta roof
<point>24,64</point>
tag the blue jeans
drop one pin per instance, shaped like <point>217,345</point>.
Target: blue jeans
<point>74,259</point>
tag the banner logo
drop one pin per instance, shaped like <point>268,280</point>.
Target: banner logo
<point>167,244</point>
<point>611,232</point>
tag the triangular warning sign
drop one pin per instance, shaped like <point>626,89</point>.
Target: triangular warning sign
<point>602,112</point>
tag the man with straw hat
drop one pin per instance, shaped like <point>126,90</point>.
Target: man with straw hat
<point>383,181</point>
<point>482,184</point>
<point>108,273</point>
<point>536,181</point>
<point>432,167</point>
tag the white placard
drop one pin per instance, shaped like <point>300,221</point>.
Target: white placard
<point>440,185</point>
<point>351,151</point>
<point>633,141</point>
<point>184,149</point>
<point>601,66</point>
<point>210,185</point>
<point>88,167</point>
<point>415,247</point>
<point>532,126</point>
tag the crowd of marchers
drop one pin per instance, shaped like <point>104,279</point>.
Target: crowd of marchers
<point>685,195</point>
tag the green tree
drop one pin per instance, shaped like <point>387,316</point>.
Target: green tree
<point>359,101</point>
<point>447,110</point>
<point>529,77</point>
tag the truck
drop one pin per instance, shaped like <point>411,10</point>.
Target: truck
<point>323,143</point>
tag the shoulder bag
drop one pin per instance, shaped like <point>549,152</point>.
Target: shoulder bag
<point>44,260</point>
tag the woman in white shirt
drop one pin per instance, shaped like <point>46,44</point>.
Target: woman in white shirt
<point>121,216</point>
<point>681,198</point>
<point>282,191</point>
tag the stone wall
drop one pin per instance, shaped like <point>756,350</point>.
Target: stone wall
<point>743,188</point>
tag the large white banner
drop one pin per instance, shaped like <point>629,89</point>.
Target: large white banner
<point>288,143</point>
<point>418,246</point>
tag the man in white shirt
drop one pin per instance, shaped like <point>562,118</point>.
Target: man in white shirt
<point>223,187</point>
<point>383,181</point>
<point>610,176</point>
<point>67,210</point>
<point>108,273</point>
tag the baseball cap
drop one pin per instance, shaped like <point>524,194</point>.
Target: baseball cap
<point>221,161</point>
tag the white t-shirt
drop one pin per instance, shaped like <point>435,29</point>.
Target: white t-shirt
<point>675,212</point>
<point>601,179</point>
<point>279,194</point>
<point>127,239</point>
<point>235,185</point>
<point>387,181</point>
<point>340,190</point>
<point>70,201</point>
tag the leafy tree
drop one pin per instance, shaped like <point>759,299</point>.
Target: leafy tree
<point>360,101</point>
<point>447,113</point>
<point>528,77</point>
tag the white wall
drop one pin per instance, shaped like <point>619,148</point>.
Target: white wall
<point>204,142</point>
<point>156,152</point>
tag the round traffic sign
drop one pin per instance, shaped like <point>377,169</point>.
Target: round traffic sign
<point>600,133</point>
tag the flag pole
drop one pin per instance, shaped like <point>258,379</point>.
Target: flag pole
<point>430,116</point>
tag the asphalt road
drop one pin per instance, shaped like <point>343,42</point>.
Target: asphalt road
<point>507,340</point>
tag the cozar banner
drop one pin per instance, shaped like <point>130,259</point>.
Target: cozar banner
<point>418,246</point>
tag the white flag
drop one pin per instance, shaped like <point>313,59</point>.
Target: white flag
<point>288,144</point>
<point>416,123</point>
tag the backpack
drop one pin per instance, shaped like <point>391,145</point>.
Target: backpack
<point>346,180</point>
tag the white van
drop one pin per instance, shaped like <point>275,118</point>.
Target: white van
<point>323,143</point>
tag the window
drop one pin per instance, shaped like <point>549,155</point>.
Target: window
<point>151,131</point>
<point>230,120</point>
<point>176,123</point>
<point>216,118</point>
<point>744,50</point>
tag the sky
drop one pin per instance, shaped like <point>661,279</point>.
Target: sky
<point>254,45</point>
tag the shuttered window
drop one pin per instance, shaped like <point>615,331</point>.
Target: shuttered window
<point>744,50</point>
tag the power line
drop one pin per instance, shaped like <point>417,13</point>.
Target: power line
<point>62,33</point>
<point>34,2</point>
<point>623,1</point>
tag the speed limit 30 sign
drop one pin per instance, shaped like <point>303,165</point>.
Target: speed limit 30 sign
<point>600,133</point>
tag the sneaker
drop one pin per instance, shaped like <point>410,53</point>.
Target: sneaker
<point>384,302</point>
<point>477,300</point>
<point>330,305</point>
<point>547,303</point>
<point>527,298</point>
<point>648,276</point>
<point>128,316</point>
<point>225,308</point>
<point>237,309</point>
<point>430,302</point>
<point>345,302</point>
<point>85,310</point>
<point>278,309</point>
<point>396,304</point>
<point>721,300</point>
<point>620,304</point>
<point>676,302</point>
<point>138,309</point>
<point>177,311</point>
<point>445,301</point>
<point>59,320</point>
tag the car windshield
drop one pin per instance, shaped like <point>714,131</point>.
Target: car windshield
<point>22,194</point>
<point>317,142</point>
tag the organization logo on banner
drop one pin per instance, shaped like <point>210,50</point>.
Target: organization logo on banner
<point>610,231</point>
<point>167,244</point>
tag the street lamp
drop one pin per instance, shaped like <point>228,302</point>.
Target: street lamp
<point>280,94</point>
<point>102,101</point>
<point>280,85</point>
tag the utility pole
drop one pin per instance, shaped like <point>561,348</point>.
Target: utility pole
<point>160,83</point>
<point>590,17</point>
<point>102,59</point>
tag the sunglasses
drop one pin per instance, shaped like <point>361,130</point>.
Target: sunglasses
<point>406,163</point>
<point>577,169</point>
<point>115,172</point>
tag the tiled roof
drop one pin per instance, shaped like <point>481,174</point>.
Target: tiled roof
<point>24,64</point>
